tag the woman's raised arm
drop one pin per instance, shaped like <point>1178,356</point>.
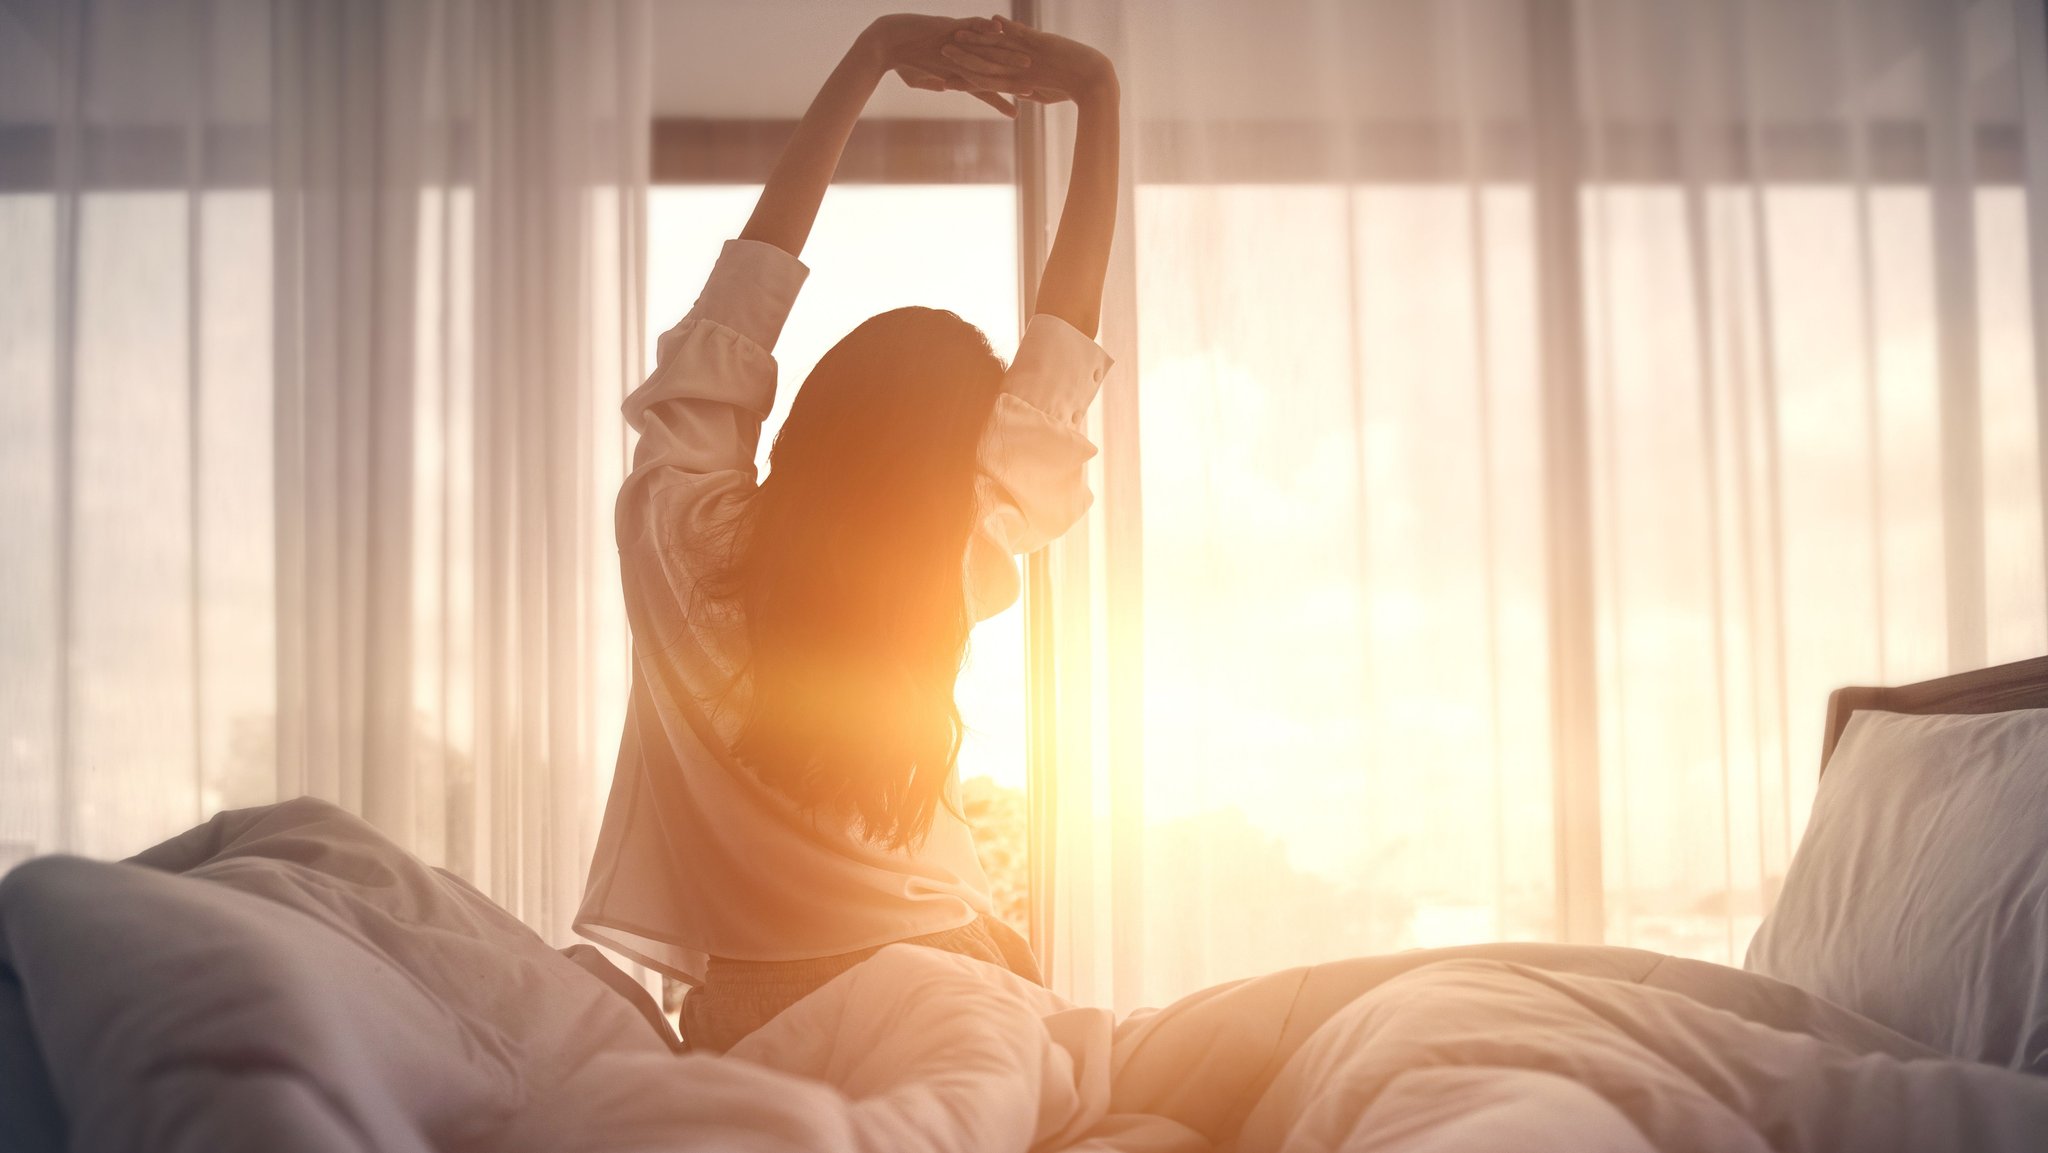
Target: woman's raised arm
<point>1055,68</point>
<point>906,44</point>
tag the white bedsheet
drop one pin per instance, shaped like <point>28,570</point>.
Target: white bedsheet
<point>284,979</point>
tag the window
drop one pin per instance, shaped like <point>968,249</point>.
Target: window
<point>138,511</point>
<point>1543,406</point>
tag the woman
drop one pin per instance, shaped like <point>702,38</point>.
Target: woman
<point>785,802</point>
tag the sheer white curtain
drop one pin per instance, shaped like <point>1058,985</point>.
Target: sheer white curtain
<point>1526,412</point>
<point>315,325</point>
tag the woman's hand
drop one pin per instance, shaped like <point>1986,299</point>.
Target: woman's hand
<point>913,47</point>
<point>1005,56</point>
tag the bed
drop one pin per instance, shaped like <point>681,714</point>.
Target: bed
<point>2001,688</point>
<point>285,978</point>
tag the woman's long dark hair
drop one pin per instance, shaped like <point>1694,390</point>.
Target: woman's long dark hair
<point>848,567</point>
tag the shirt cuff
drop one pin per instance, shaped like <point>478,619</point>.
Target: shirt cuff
<point>751,290</point>
<point>1057,370</point>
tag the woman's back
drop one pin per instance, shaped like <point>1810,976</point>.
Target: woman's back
<point>699,856</point>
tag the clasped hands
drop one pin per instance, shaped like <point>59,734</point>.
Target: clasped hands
<point>994,59</point>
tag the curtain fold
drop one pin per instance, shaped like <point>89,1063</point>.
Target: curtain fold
<point>346,148</point>
<point>322,317</point>
<point>1537,407</point>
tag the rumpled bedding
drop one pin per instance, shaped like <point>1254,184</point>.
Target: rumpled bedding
<point>286,979</point>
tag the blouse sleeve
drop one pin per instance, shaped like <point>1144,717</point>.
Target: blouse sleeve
<point>1033,484</point>
<point>699,416</point>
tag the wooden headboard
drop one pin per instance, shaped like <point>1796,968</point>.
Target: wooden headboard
<point>2001,688</point>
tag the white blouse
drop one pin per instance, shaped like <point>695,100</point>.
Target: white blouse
<point>697,858</point>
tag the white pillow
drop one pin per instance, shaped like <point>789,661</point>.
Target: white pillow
<point>1919,894</point>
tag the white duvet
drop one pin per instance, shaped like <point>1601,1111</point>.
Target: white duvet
<point>284,979</point>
